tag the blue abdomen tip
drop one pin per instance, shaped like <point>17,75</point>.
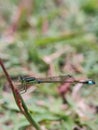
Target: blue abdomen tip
<point>91,82</point>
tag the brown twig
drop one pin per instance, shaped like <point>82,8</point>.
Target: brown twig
<point>19,101</point>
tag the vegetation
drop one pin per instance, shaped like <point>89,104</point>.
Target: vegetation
<point>48,38</point>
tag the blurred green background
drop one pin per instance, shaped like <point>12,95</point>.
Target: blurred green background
<point>48,38</point>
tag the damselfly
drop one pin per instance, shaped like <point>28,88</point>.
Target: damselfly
<point>25,82</point>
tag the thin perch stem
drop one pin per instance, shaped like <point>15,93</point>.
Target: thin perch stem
<point>19,100</point>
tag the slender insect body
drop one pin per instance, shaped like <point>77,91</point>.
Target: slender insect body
<point>26,82</point>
